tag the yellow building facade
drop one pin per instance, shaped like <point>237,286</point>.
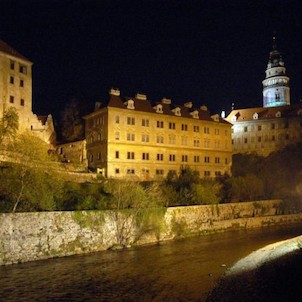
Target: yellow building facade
<point>133,138</point>
<point>16,91</point>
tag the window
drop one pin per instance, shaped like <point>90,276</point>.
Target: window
<point>184,158</point>
<point>217,173</point>
<point>207,159</point>
<point>130,104</point>
<point>245,140</point>
<point>117,136</point>
<point>11,99</point>
<point>12,65</point>
<point>196,128</point>
<point>145,138</point>
<point>160,139</point>
<point>172,139</point>
<point>207,143</point>
<point>159,172</point>
<point>160,156</point>
<point>172,157</point>
<point>117,171</point>
<point>130,155</point>
<point>22,102</point>
<point>184,140</point>
<point>217,160</point>
<point>259,127</point>
<point>259,139</point>
<point>117,154</point>
<point>226,161</point>
<point>206,130</point>
<point>245,129</point>
<point>273,138</point>
<point>172,126</point>
<point>23,69</point>
<point>272,126</point>
<point>117,119</point>
<point>217,144</point>
<point>90,158</point>
<point>100,156</point>
<point>196,143</point>
<point>11,80</point>
<point>159,108</point>
<point>145,122</point>
<point>21,83</point>
<point>184,127</point>
<point>130,137</point>
<point>145,156</point>
<point>160,124</point>
<point>207,173</point>
<point>196,158</point>
<point>216,131</point>
<point>130,171</point>
<point>130,120</point>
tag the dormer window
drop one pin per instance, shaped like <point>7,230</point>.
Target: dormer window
<point>177,111</point>
<point>234,118</point>
<point>159,108</point>
<point>195,114</point>
<point>130,104</point>
<point>215,117</point>
<point>278,114</point>
<point>255,116</point>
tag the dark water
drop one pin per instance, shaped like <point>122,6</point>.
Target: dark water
<point>183,270</point>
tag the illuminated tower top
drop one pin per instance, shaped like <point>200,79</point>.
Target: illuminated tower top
<point>276,91</point>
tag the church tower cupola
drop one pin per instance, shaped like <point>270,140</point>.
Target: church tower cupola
<point>276,91</point>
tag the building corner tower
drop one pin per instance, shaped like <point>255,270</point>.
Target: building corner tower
<point>276,91</point>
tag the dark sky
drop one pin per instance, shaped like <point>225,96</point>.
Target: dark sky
<point>209,52</point>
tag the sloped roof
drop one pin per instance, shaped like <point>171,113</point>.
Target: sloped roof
<point>264,113</point>
<point>5,48</point>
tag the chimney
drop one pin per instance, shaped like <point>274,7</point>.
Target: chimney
<point>204,108</point>
<point>188,104</point>
<point>141,96</point>
<point>115,91</point>
<point>166,101</point>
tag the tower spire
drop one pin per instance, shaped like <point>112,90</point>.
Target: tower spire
<point>274,41</point>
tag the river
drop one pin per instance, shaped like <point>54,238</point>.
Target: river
<point>181,270</point>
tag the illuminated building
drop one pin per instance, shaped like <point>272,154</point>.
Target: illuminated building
<point>131,137</point>
<point>16,91</point>
<point>276,124</point>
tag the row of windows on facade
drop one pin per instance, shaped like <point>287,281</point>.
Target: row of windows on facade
<point>160,157</point>
<point>12,100</point>
<point>280,137</point>
<point>172,140</point>
<point>261,127</point>
<point>159,124</point>
<point>12,81</point>
<point>22,68</point>
<point>161,172</point>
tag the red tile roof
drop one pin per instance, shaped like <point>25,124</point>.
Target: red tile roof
<point>4,47</point>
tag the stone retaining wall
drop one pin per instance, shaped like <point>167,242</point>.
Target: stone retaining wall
<point>34,236</point>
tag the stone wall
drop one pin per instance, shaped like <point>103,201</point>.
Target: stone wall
<point>41,235</point>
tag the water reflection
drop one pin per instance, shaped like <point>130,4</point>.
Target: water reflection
<point>183,270</point>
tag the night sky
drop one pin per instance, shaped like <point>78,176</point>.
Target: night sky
<point>208,52</point>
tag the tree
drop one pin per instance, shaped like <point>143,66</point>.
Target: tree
<point>9,125</point>
<point>72,122</point>
<point>28,179</point>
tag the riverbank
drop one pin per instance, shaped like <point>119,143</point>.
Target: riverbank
<point>272,273</point>
<point>41,235</point>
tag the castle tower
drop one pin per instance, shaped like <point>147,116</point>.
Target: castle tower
<point>276,91</point>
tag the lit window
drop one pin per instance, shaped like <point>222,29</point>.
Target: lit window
<point>160,124</point>
<point>130,155</point>
<point>172,157</point>
<point>130,120</point>
<point>145,156</point>
<point>172,126</point>
<point>160,156</point>
<point>145,122</point>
